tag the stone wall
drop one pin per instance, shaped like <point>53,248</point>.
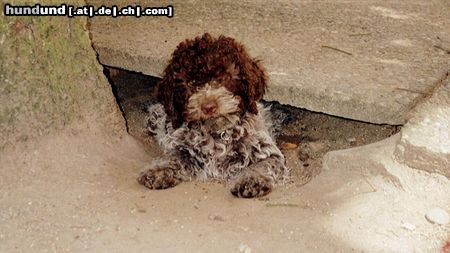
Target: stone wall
<point>50,79</point>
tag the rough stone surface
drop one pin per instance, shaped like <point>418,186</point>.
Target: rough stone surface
<point>50,78</point>
<point>425,141</point>
<point>395,52</point>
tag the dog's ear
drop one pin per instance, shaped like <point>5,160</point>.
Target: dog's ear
<point>168,95</point>
<point>254,78</point>
<point>164,95</point>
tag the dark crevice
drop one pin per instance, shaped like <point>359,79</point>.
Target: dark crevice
<point>115,91</point>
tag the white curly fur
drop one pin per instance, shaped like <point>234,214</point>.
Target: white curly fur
<point>219,148</point>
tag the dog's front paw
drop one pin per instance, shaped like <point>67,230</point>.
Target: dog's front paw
<point>158,178</point>
<point>251,186</point>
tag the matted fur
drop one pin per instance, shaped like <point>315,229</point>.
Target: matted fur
<point>221,148</point>
<point>234,143</point>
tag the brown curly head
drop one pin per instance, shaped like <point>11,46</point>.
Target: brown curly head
<point>208,77</point>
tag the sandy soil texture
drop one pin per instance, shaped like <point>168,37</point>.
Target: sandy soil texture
<point>76,191</point>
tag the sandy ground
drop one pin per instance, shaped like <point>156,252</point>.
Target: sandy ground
<point>77,192</point>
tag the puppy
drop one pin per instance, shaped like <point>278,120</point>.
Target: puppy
<point>209,121</point>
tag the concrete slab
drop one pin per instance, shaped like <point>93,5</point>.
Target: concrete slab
<point>381,190</point>
<point>392,52</point>
<point>425,139</point>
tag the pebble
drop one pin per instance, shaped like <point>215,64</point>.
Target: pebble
<point>215,217</point>
<point>303,156</point>
<point>288,146</point>
<point>244,228</point>
<point>437,216</point>
<point>244,248</point>
<point>317,146</point>
<point>408,226</point>
<point>352,140</point>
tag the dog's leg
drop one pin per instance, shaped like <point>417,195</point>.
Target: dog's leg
<point>259,178</point>
<point>165,173</point>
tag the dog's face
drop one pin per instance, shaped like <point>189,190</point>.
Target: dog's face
<point>210,101</point>
<point>208,78</point>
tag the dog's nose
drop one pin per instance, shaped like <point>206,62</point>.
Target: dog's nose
<point>209,107</point>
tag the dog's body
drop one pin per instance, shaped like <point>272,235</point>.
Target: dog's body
<point>209,122</point>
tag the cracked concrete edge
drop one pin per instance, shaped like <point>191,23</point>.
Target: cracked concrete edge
<point>425,139</point>
<point>427,94</point>
<point>423,143</point>
<point>152,66</point>
<point>375,160</point>
<point>422,159</point>
<point>367,160</point>
<point>352,108</point>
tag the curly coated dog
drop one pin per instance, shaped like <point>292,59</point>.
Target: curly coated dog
<point>210,123</point>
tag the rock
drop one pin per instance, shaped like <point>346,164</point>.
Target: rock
<point>425,139</point>
<point>408,226</point>
<point>352,140</point>
<point>244,248</point>
<point>214,217</point>
<point>288,146</point>
<point>437,216</point>
<point>317,146</point>
<point>303,156</point>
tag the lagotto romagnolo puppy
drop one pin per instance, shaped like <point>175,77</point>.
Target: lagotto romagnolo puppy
<point>209,121</point>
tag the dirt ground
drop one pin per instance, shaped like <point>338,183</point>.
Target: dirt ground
<point>76,191</point>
